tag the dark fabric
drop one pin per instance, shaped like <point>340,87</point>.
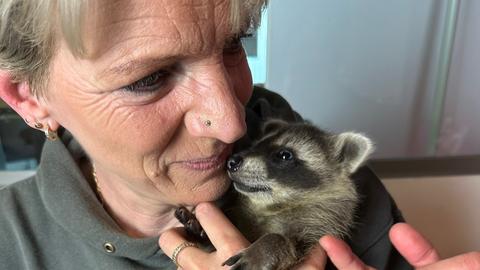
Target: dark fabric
<point>54,221</point>
<point>376,215</point>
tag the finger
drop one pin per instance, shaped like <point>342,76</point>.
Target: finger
<point>341,255</point>
<point>316,259</point>
<point>171,239</point>
<point>221,232</point>
<point>412,245</point>
<point>466,261</point>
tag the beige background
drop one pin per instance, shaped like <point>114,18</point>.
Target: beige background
<point>445,209</point>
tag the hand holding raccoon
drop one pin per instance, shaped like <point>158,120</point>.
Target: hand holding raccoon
<point>224,236</point>
<point>416,249</point>
<point>294,187</point>
<point>226,239</point>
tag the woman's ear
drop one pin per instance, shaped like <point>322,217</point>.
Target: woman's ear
<point>19,97</point>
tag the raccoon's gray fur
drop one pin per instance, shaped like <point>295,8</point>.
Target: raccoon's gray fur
<point>295,187</point>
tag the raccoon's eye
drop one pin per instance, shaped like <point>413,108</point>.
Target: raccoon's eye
<point>285,155</point>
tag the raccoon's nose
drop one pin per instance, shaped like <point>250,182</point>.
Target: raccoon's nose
<point>234,162</point>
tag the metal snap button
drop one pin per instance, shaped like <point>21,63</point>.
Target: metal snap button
<point>109,247</point>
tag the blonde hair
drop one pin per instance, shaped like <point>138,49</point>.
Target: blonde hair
<point>29,30</point>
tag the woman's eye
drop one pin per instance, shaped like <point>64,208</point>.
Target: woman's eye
<point>150,83</point>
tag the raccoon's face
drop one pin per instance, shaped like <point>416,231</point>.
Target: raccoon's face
<point>293,158</point>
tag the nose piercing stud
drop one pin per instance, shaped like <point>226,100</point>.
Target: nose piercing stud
<point>208,123</point>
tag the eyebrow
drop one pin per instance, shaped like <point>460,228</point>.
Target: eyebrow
<point>133,65</point>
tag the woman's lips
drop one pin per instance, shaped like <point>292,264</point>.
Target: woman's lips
<point>209,163</point>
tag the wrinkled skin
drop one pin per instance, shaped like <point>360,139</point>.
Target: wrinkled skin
<point>148,140</point>
<point>153,74</point>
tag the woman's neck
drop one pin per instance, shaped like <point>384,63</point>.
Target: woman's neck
<point>134,211</point>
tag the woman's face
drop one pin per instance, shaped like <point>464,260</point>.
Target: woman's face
<point>156,72</point>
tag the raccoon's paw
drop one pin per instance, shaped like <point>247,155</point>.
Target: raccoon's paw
<point>243,261</point>
<point>191,224</point>
<point>234,262</point>
<point>270,252</point>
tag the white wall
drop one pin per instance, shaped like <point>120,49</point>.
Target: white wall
<point>445,209</point>
<point>460,127</point>
<point>362,65</point>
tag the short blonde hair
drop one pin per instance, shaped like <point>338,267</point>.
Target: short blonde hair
<point>28,33</point>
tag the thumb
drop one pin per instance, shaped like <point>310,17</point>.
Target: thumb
<point>412,245</point>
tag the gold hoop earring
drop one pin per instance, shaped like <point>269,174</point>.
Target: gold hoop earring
<point>50,134</point>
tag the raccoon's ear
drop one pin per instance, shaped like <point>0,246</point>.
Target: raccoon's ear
<point>352,150</point>
<point>272,125</point>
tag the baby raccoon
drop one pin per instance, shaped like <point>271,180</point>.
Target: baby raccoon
<point>294,187</point>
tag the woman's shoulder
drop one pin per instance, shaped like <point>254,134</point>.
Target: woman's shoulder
<point>19,204</point>
<point>11,186</point>
<point>17,195</point>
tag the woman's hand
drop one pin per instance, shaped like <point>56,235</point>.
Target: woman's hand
<point>410,244</point>
<point>228,241</point>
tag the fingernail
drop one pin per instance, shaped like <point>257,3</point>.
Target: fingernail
<point>203,208</point>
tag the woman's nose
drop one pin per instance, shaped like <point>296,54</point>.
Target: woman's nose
<point>217,112</point>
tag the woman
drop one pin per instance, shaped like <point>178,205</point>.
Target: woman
<point>142,101</point>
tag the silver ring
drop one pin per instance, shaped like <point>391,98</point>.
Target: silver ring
<point>179,248</point>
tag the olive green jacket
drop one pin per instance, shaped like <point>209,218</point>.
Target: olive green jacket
<point>54,221</point>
